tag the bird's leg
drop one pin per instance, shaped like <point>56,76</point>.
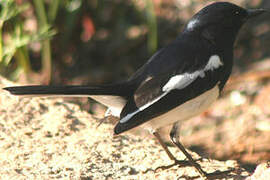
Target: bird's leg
<point>102,120</point>
<point>171,156</point>
<point>164,146</point>
<point>107,114</point>
<point>174,135</point>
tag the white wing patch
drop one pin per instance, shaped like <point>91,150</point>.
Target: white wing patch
<point>179,82</point>
<point>213,63</point>
<point>130,115</point>
<point>182,80</point>
<point>192,24</point>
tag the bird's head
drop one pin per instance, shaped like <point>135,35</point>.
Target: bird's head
<point>220,21</point>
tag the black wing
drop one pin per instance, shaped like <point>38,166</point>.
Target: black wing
<point>164,103</point>
<point>151,100</point>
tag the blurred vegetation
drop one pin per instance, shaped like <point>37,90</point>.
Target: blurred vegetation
<point>15,39</point>
<point>94,41</point>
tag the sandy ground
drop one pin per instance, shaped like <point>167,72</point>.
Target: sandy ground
<point>45,138</point>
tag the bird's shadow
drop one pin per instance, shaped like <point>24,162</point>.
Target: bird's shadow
<point>214,175</point>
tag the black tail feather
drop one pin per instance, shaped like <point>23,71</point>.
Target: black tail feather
<point>114,89</point>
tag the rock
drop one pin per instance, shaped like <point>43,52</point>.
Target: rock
<point>45,138</point>
<point>262,172</point>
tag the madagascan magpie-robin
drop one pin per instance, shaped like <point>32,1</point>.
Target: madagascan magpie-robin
<point>178,82</point>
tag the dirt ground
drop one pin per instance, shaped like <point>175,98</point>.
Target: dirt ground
<point>44,138</point>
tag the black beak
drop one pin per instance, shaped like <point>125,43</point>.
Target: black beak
<point>255,12</point>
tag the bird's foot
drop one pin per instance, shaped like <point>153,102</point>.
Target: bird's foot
<point>180,163</point>
<point>203,174</point>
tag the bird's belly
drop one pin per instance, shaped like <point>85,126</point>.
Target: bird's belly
<point>185,111</point>
<point>114,103</point>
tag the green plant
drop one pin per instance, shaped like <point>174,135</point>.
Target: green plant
<point>152,26</point>
<point>15,45</point>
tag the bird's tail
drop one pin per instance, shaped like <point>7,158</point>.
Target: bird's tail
<point>120,89</point>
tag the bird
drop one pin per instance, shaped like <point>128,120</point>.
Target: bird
<point>177,83</point>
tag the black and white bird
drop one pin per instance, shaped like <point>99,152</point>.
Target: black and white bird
<point>178,82</point>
